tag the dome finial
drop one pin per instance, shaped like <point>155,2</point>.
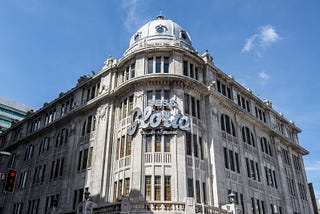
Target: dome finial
<point>160,17</point>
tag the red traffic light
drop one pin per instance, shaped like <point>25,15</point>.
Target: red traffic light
<point>9,184</point>
<point>12,174</point>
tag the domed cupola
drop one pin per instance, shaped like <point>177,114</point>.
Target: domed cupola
<point>160,32</point>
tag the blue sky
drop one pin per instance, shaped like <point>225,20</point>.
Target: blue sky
<point>269,46</point>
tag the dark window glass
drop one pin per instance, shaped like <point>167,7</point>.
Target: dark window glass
<point>186,104</point>
<point>149,95</point>
<point>237,162</point>
<point>133,70</point>
<point>198,191</point>
<point>158,94</point>
<point>198,109</point>
<point>195,145</point>
<point>85,159</point>
<point>166,64</point>
<point>231,160</point>
<point>248,167</point>
<point>148,143</point>
<point>190,187</point>
<point>225,154</point>
<point>188,143</point>
<point>166,94</point>
<point>191,71</point>
<point>158,64</point>
<point>150,65</point>
<point>185,68</point>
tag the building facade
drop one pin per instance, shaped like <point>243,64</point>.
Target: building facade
<point>161,128</point>
<point>11,112</point>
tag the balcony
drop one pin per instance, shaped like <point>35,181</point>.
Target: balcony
<point>157,157</point>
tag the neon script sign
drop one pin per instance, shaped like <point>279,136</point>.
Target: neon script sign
<point>152,118</point>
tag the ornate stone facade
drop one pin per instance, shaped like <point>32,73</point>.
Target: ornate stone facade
<point>235,144</point>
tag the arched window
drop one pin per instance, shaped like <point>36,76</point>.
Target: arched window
<point>247,136</point>
<point>265,146</point>
<point>227,125</point>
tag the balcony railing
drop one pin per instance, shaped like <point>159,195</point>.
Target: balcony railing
<point>157,157</point>
<point>126,206</point>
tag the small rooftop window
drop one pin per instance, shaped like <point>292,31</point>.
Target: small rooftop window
<point>161,29</point>
<point>183,35</point>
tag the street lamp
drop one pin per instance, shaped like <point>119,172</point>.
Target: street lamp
<point>232,197</point>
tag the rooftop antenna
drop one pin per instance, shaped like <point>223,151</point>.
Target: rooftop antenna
<point>161,17</point>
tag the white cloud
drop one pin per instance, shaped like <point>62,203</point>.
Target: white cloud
<point>266,35</point>
<point>313,167</point>
<point>264,76</point>
<point>133,10</point>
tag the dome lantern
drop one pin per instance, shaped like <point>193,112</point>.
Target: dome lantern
<point>160,31</point>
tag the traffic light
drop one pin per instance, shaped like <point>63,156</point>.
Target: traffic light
<point>11,177</point>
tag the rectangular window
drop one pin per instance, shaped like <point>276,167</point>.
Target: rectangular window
<point>166,94</point>
<point>190,187</point>
<point>225,154</point>
<point>195,146</point>
<point>115,191</point>
<point>166,143</point>
<point>157,143</point>
<point>200,148</point>
<point>198,191</point>
<point>56,171</point>
<point>127,73</point>
<point>52,170</point>
<point>150,65</point>
<point>253,174</point>
<point>120,189</point>
<point>148,143</point>
<point>167,188</point>
<point>231,160</point>
<point>186,104</point>
<point>191,71</point>
<point>60,170</point>
<point>237,162</point>
<point>85,159</point>
<point>133,70</point>
<point>124,109</point>
<point>275,180</point>
<point>158,94</point>
<point>128,145</point>
<point>148,187</point>
<point>263,207</point>
<point>130,104</point>
<point>188,143</point>
<point>253,206</point>
<point>117,149</point>
<point>122,146</point>
<point>157,188</point>
<point>89,124</point>
<point>198,109</point>
<point>258,171</point>
<point>193,106</point>
<point>166,65</point>
<point>196,73</point>
<point>127,187</point>
<point>149,95</point>
<point>90,157</point>
<point>204,196</point>
<point>248,168</point>
<point>185,68</point>
<point>158,64</point>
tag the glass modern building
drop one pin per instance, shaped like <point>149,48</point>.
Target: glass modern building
<point>11,112</point>
<point>161,130</point>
